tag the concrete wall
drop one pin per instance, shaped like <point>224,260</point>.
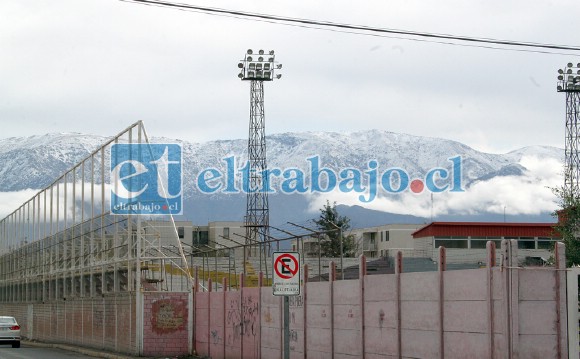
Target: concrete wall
<point>110,322</point>
<point>166,319</point>
<point>493,312</point>
<point>105,323</point>
<point>501,311</point>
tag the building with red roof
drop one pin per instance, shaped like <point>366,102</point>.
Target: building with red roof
<point>466,241</point>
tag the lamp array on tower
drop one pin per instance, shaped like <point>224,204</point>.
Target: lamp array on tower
<point>569,83</point>
<point>569,78</point>
<point>260,66</point>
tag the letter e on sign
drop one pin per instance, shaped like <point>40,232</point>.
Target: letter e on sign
<point>286,269</point>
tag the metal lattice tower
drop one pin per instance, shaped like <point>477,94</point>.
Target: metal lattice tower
<point>257,68</point>
<point>569,82</point>
<point>257,210</point>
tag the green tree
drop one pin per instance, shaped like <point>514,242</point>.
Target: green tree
<point>568,226</point>
<point>335,225</point>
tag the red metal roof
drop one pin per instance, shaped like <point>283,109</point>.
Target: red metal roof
<point>486,229</point>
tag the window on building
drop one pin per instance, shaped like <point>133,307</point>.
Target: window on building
<point>546,243</point>
<point>451,243</point>
<point>526,243</point>
<point>369,237</point>
<point>387,236</point>
<point>200,238</point>
<point>226,232</point>
<point>181,232</point>
<point>481,243</point>
<point>549,245</point>
<point>478,243</point>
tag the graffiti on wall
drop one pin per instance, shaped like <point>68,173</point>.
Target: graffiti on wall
<point>168,316</point>
<point>215,337</point>
<point>296,301</point>
<point>243,318</point>
<point>381,318</point>
<point>293,338</point>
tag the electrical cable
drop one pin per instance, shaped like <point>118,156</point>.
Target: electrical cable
<point>368,30</point>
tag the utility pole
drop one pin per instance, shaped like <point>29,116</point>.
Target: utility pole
<point>257,68</point>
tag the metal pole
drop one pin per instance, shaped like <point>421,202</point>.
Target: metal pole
<point>341,265</point>
<point>319,264</point>
<point>286,327</point>
<point>216,269</point>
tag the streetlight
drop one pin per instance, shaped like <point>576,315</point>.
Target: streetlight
<point>569,83</point>
<point>259,67</point>
<point>340,234</point>
<point>569,78</point>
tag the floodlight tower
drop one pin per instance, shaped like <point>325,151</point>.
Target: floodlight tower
<point>257,68</point>
<point>569,82</point>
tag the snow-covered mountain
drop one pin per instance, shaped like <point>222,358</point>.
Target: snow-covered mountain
<point>37,161</point>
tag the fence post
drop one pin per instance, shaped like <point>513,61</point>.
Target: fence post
<point>560,276</point>
<point>241,284</point>
<point>361,277</point>
<point>209,291</point>
<point>224,309</point>
<point>442,265</point>
<point>505,264</point>
<point>490,247</point>
<point>304,310</point>
<point>260,285</point>
<point>514,298</point>
<point>398,271</point>
<point>195,289</point>
<point>331,279</point>
<point>572,286</point>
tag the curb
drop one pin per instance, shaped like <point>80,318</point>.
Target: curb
<point>86,351</point>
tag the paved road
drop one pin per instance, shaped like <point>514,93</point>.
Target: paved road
<point>36,352</point>
<point>40,350</point>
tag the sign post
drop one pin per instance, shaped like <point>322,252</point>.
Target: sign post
<point>286,282</point>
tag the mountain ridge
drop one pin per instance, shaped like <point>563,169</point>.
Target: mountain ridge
<point>37,161</point>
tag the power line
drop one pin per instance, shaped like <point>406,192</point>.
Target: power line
<point>351,28</point>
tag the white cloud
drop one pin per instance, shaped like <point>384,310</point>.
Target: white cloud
<point>69,71</point>
<point>10,201</point>
<point>529,194</point>
<point>27,203</point>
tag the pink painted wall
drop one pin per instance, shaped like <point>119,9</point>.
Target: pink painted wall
<point>492,312</point>
<point>165,323</point>
<point>476,313</point>
<point>271,324</point>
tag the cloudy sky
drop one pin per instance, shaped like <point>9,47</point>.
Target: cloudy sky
<point>96,66</point>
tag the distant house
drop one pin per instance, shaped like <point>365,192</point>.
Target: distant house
<point>465,241</point>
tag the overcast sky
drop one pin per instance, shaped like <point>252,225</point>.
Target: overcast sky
<point>96,66</point>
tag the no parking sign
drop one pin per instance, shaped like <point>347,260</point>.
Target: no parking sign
<point>286,280</point>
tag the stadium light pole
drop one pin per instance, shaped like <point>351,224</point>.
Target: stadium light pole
<point>569,83</point>
<point>257,68</point>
